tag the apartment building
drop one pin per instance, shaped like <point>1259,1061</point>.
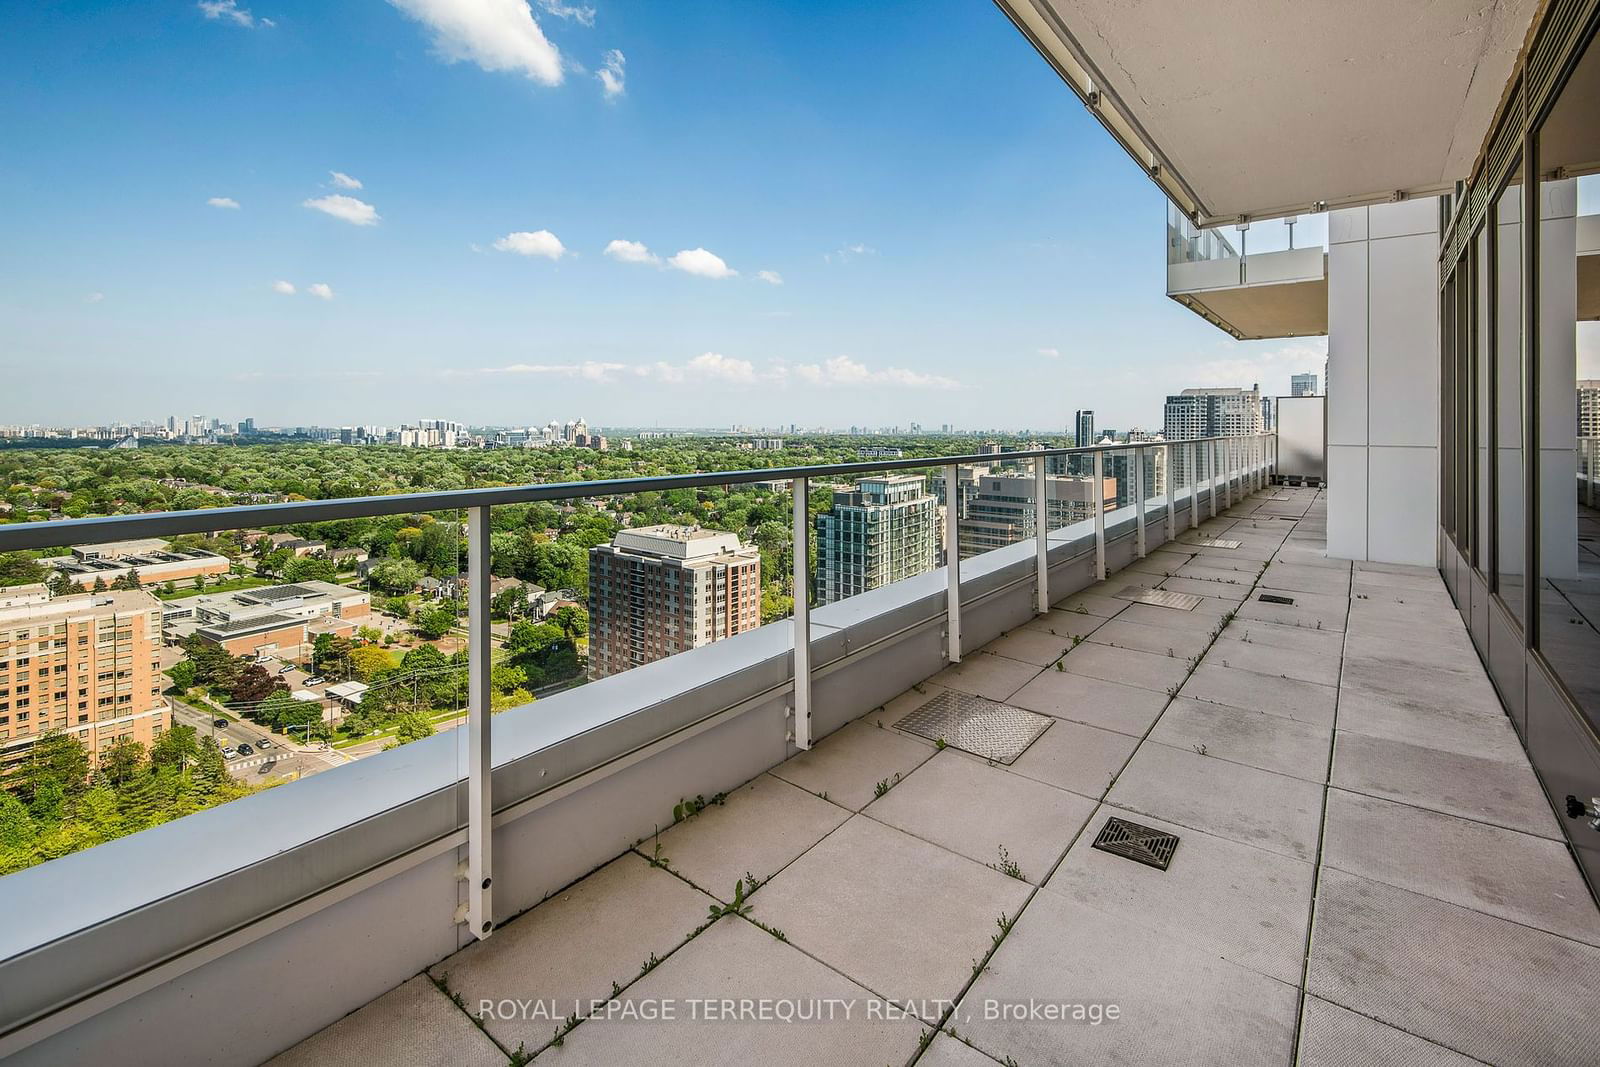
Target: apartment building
<point>1001,511</point>
<point>1302,385</point>
<point>1588,407</point>
<point>280,620</point>
<point>85,665</point>
<point>153,560</point>
<point>883,530</point>
<point>1209,413</point>
<point>660,590</point>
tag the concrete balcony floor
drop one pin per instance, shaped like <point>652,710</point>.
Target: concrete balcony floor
<point>1368,870</point>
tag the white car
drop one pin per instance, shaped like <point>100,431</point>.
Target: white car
<point>265,742</point>
<point>229,752</point>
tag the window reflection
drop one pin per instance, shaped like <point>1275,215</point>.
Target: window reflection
<point>1569,385</point>
<point>1510,537</point>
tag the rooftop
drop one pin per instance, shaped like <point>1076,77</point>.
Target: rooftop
<point>1366,865</point>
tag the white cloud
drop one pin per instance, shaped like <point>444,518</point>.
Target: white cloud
<point>230,9</point>
<point>579,13</point>
<point>588,370</point>
<point>286,288</point>
<point>497,35</point>
<point>708,366</point>
<point>613,74</point>
<point>771,277</point>
<point>343,180</point>
<point>94,298</point>
<point>631,252</point>
<point>320,289</point>
<point>702,263</point>
<point>848,252</point>
<point>356,212</point>
<point>538,243</point>
<point>224,201</point>
<point>844,371</point>
<point>1052,353</point>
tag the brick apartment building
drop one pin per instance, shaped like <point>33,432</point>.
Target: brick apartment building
<point>85,665</point>
<point>660,590</point>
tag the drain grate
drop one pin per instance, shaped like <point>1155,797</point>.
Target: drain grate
<point>985,728</point>
<point>1161,598</point>
<point>1214,542</point>
<point>1134,841</point>
<point>1274,598</point>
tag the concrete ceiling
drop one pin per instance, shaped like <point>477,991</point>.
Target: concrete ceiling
<point>1265,107</point>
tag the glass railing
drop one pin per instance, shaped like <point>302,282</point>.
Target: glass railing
<point>316,633</point>
<point>1271,250</point>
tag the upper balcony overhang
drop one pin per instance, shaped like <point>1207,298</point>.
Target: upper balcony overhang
<point>1266,294</point>
<point>1244,108</point>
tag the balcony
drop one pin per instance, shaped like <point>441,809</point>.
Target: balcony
<point>1263,287</point>
<point>1365,861</point>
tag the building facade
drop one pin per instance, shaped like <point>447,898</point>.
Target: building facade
<point>84,665</point>
<point>1195,413</point>
<point>882,531</point>
<point>1303,385</point>
<point>152,560</point>
<point>660,590</point>
<point>1001,512</point>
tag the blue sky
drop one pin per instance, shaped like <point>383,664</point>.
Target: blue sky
<point>948,236</point>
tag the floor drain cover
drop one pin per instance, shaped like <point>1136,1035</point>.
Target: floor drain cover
<point>1211,542</point>
<point>1274,598</point>
<point>982,727</point>
<point>1161,598</point>
<point>1142,844</point>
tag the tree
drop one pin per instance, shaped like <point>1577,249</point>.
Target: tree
<point>433,623</point>
<point>395,575</point>
<point>309,569</point>
<point>61,584</point>
<point>99,585</point>
<point>56,760</point>
<point>254,684</point>
<point>572,620</point>
<point>509,602</point>
<point>20,568</point>
<point>329,650</point>
<point>182,675</point>
<point>175,748</point>
<point>277,709</point>
<point>410,727</point>
<point>211,770</point>
<point>169,589</point>
<point>368,660</point>
<point>120,760</point>
<point>130,580</point>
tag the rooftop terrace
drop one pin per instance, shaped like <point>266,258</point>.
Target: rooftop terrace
<point>1367,869</point>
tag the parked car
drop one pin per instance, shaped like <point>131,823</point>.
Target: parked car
<point>229,752</point>
<point>221,724</point>
<point>318,680</point>
<point>286,668</point>
<point>245,749</point>
<point>265,742</point>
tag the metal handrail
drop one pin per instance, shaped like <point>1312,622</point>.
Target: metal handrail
<point>60,533</point>
<point>1249,458</point>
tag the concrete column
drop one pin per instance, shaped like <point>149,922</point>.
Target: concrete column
<point>1383,382</point>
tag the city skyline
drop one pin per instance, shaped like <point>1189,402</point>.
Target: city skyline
<point>660,214</point>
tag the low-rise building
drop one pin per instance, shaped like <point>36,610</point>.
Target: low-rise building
<point>279,620</point>
<point>151,559</point>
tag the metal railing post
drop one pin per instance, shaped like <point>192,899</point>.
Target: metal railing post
<point>1099,491</point>
<point>801,622</point>
<point>480,766</point>
<point>1594,451</point>
<point>952,559</point>
<point>1172,494</point>
<point>1041,532</point>
<point>1195,459</point>
<point>1138,501</point>
<point>1211,477</point>
<point>1227,466</point>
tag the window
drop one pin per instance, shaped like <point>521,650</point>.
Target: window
<point>1483,377</point>
<point>1567,600</point>
<point>1510,536</point>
